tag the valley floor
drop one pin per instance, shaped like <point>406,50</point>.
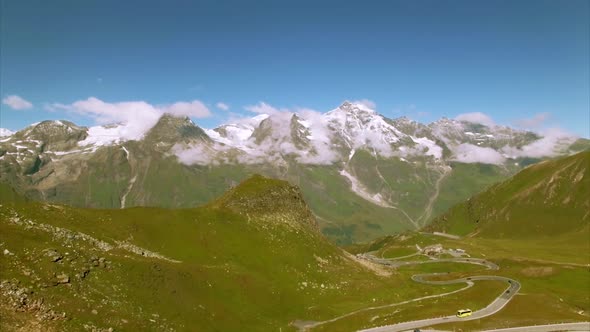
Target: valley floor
<point>541,291</point>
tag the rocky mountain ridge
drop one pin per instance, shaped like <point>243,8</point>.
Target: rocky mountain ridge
<point>312,138</point>
<point>363,174</point>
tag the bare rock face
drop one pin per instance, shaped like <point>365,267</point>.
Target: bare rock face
<point>22,299</point>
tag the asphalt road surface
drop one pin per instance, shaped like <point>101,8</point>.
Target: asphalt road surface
<point>583,326</point>
<point>492,308</point>
<point>496,305</point>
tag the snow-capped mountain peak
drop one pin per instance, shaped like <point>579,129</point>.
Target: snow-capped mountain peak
<point>361,126</point>
<point>306,137</point>
<point>6,132</point>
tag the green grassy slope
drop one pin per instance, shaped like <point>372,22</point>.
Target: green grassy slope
<point>545,199</point>
<point>553,273</point>
<point>466,180</point>
<point>343,216</point>
<point>250,260</point>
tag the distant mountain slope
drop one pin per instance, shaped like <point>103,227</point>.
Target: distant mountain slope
<point>253,258</point>
<point>364,175</point>
<point>546,199</point>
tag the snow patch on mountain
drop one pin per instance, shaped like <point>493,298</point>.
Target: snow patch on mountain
<point>214,135</point>
<point>104,135</point>
<point>6,132</point>
<point>240,133</point>
<point>358,188</point>
<point>127,191</point>
<point>351,154</point>
<point>236,134</point>
<point>304,123</point>
<point>314,138</point>
<point>431,148</point>
<point>310,137</point>
<point>126,152</point>
<point>361,127</point>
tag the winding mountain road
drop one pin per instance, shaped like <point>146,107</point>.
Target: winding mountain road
<point>395,263</point>
<point>492,308</point>
<point>496,305</point>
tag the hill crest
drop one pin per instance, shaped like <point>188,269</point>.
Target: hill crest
<point>545,199</point>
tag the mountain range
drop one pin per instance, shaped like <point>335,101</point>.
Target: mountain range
<point>363,174</point>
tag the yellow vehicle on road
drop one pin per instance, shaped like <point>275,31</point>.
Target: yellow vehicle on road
<point>464,313</point>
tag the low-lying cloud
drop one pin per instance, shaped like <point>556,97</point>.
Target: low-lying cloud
<point>476,117</point>
<point>367,103</point>
<point>222,106</point>
<point>195,109</point>
<point>469,153</point>
<point>264,108</point>
<point>553,142</point>
<point>533,122</point>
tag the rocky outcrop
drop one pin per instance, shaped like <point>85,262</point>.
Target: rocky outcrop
<point>268,199</point>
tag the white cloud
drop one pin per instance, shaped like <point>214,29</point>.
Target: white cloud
<point>554,141</point>
<point>322,151</point>
<point>17,103</point>
<point>264,108</point>
<point>367,103</point>
<point>222,106</point>
<point>476,117</point>
<point>198,154</point>
<point>534,122</point>
<point>194,108</point>
<point>53,107</point>
<point>469,153</point>
<point>136,117</point>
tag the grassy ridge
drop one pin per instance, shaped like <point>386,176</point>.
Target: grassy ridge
<point>545,199</point>
<point>223,266</point>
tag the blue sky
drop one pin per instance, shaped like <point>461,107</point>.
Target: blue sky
<point>511,60</point>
